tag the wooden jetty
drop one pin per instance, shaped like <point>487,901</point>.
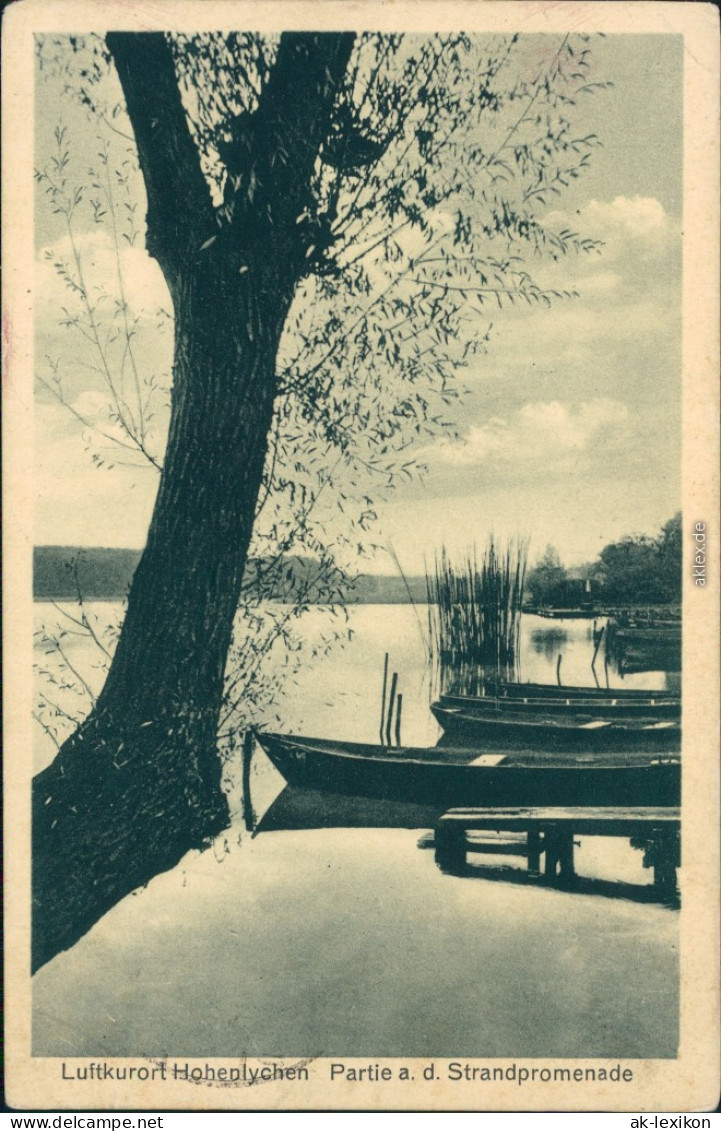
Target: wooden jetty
<point>550,831</point>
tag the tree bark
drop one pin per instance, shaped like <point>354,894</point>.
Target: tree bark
<point>138,785</point>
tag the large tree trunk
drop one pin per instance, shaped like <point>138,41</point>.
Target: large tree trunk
<point>139,784</point>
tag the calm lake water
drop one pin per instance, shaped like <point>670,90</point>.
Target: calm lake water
<point>341,698</point>
<point>339,695</point>
<point>345,944</point>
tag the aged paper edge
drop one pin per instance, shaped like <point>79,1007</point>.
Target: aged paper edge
<point>690,1082</point>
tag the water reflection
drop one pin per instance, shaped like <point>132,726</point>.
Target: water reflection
<point>339,695</point>
<point>471,679</point>
<point>572,652</point>
<point>633,655</point>
<point>547,641</point>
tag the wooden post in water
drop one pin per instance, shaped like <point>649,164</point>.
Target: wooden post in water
<point>248,814</point>
<point>598,645</point>
<point>399,709</point>
<point>391,701</point>
<point>598,640</point>
<point>558,669</point>
<point>383,697</point>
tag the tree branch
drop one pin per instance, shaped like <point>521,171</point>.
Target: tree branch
<point>273,150</point>
<point>180,209</point>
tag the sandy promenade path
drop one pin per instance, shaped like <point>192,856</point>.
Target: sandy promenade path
<point>350,942</point>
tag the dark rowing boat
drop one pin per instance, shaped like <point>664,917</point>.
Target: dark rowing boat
<point>506,689</point>
<point>668,635</point>
<point>635,663</point>
<point>542,732</point>
<point>585,709</point>
<point>439,779</point>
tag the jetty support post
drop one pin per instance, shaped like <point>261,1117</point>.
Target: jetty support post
<point>559,854</point>
<point>534,848</point>
<point>450,841</point>
<point>665,858</point>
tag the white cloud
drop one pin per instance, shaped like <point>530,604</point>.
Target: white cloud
<point>635,225</point>
<point>541,432</point>
<point>78,503</point>
<point>639,216</point>
<point>93,407</point>
<point>88,353</point>
<point>145,283</point>
<point>142,280</point>
<point>620,338</point>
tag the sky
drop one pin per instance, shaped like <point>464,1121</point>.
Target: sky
<point>570,424</point>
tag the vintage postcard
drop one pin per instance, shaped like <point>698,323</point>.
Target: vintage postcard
<point>361,555</point>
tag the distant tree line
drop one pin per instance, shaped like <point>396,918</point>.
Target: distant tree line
<point>94,573</point>
<point>637,570</point>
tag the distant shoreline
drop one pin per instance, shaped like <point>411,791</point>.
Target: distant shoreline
<point>97,573</point>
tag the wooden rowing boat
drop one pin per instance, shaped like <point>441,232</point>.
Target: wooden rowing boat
<point>636,663</point>
<point>584,709</point>
<point>667,635</point>
<point>438,779</point>
<point>500,688</point>
<point>544,732</point>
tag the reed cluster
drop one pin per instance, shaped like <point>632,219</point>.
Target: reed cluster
<point>474,612</point>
